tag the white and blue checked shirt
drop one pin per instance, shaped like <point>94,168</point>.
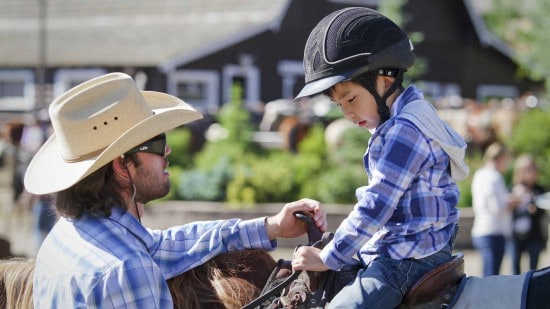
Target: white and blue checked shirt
<point>115,262</point>
<point>408,209</point>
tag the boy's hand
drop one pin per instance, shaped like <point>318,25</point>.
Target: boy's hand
<point>307,258</point>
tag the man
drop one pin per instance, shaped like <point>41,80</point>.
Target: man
<point>105,160</point>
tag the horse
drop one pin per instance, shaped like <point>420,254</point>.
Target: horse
<point>236,279</point>
<point>16,283</point>
<point>230,280</point>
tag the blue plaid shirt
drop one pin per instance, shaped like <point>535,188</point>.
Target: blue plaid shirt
<point>115,262</point>
<point>408,209</point>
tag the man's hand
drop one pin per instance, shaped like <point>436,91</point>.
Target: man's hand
<point>286,225</point>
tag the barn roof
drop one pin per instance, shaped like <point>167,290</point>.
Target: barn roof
<point>128,32</point>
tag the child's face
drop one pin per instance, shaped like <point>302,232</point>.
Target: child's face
<point>357,104</point>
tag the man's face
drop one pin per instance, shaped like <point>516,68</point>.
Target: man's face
<point>151,178</point>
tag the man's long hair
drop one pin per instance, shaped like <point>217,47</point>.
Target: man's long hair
<point>95,195</point>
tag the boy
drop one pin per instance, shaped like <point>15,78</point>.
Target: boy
<point>404,222</point>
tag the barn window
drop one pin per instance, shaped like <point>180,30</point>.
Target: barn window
<point>199,88</point>
<point>17,90</point>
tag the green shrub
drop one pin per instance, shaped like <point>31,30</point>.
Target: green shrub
<point>179,139</point>
<point>474,162</point>
<point>306,168</point>
<point>273,178</point>
<point>338,185</point>
<point>215,165</point>
<point>314,142</point>
<point>352,148</point>
<point>310,161</point>
<point>336,179</point>
<point>235,118</point>
<point>205,185</point>
<point>264,180</point>
<point>214,152</point>
<point>239,190</point>
<point>531,136</point>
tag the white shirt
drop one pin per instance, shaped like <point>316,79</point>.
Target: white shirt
<point>489,199</point>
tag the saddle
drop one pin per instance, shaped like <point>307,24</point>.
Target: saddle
<point>437,287</point>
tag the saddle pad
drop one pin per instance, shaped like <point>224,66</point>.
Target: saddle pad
<point>503,292</point>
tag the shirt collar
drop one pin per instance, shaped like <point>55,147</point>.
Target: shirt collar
<point>129,222</point>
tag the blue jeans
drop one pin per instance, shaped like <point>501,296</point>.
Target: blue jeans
<point>385,281</point>
<point>532,247</point>
<point>492,249</point>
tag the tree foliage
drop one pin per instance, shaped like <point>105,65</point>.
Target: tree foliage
<point>530,137</point>
<point>522,25</point>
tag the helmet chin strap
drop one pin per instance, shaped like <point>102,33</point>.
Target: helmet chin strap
<point>381,101</point>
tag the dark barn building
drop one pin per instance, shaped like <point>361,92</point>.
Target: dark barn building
<point>197,49</point>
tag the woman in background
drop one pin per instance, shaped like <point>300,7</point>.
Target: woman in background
<point>530,223</point>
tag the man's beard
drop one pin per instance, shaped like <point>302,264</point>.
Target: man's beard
<point>149,187</point>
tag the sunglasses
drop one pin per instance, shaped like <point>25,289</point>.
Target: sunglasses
<point>156,145</point>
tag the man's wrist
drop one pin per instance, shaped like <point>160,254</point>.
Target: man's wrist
<point>271,228</point>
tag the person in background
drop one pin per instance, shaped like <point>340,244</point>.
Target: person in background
<point>106,158</point>
<point>530,223</point>
<point>19,159</point>
<point>492,205</point>
<point>404,222</point>
<point>44,217</point>
<point>43,212</point>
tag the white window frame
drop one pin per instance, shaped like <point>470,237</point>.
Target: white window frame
<point>64,78</point>
<point>485,91</point>
<point>27,101</point>
<point>210,78</point>
<point>290,71</point>
<point>251,77</point>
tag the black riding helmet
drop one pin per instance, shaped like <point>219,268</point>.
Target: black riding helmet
<point>352,43</point>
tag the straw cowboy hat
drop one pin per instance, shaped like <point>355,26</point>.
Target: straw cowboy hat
<point>94,123</point>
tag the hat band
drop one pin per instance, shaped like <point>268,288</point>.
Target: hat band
<point>84,157</point>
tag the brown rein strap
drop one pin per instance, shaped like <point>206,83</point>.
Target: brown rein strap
<point>275,291</point>
<point>316,239</point>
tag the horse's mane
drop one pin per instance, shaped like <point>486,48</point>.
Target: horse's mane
<point>229,280</point>
<point>16,283</point>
